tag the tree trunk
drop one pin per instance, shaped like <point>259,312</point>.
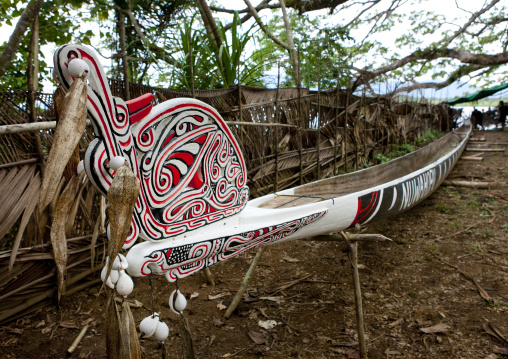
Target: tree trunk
<point>209,22</point>
<point>121,25</point>
<point>33,83</point>
<point>289,33</point>
<point>12,46</point>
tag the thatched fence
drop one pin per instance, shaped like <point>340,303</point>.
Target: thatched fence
<point>288,136</point>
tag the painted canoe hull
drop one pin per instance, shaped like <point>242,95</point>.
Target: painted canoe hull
<point>381,193</point>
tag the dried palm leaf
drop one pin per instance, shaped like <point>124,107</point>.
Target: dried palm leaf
<point>68,132</point>
<point>74,209</point>
<point>23,197</point>
<point>31,192</point>
<point>113,333</point>
<point>94,241</point>
<point>129,337</point>
<point>58,239</point>
<point>122,196</point>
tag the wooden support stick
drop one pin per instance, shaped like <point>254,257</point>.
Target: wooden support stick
<point>76,341</point>
<point>50,125</point>
<point>245,283</point>
<point>209,276</point>
<point>353,247</point>
<point>471,149</point>
<point>333,237</point>
<point>470,184</point>
<point>187,342</point>
<point>471,158</point>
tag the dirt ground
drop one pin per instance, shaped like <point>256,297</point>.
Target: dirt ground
<point>416,305</point>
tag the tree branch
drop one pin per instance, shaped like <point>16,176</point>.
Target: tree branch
<point>299,5</point>
<point>268,33</point>
<point>12,46</point>
<point>159,53</point>
<point>209,21</point>
<point>473,17</point>
<point>432,54</point>
<point>454,76</point>
<point>294,56</point>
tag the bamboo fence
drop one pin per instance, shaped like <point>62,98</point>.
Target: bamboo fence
<point>288,136</point>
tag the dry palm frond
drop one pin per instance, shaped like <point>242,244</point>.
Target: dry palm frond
<point>122,196</point>
<point>31,195</point>
<point>129,337</point>
<point>58,239</point>
<point>68,133</point>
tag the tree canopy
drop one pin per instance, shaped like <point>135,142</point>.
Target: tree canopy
<point>359,43</point>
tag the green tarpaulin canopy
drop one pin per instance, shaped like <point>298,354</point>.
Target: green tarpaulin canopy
<point>479,95</point>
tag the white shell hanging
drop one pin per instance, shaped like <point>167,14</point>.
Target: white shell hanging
<point>177,302</point>
<point>117,162</point>
<point>123,261</point>
<point>114,275</point>
<point>78,67</point>
<point>116,263</point>
<point>148,325</point>
<point>125,285</point>
<point>81,167</point>
<point>108,282</point>
<point>161,332</point>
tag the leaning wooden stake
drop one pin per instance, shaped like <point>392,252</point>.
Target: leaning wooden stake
<point>245,283</point>
<point>209,276</point>
<point>353,247</point>
<point>76,341</point>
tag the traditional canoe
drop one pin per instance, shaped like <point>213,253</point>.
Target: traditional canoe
<point>320,207</point>
<point>193,209</point>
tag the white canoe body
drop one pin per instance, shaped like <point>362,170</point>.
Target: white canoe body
<point>320,207</point>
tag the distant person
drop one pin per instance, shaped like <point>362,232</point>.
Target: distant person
<point>480,117</point>
<point>475,117</point>
<point>502,111</point>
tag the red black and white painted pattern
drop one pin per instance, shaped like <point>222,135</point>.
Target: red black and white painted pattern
<point>401,196</point>
<point>183,260</point>
<point>190,167</point>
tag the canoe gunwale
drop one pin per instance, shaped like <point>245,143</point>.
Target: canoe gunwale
<point>368,178</point>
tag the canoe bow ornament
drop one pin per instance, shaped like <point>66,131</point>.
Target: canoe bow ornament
<point>190,166</point>
<point>191,171</point>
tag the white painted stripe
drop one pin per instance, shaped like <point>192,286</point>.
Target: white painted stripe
<point>394,197</point>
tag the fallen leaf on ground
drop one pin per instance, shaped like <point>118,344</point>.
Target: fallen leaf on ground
<point>263,312</point>
<point>395,323</point>
<point>290,260</point>
<point>86,322</point>
<point>68,325</point>
<point>353,354</point>
<point>217,322</point>
<point>273,299</point>
<point>257,337</point>
<point>267,324</point>
<point>221,306</point>
<point>194,295</point>
<point>217,296</point>
<point>438,328</point>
